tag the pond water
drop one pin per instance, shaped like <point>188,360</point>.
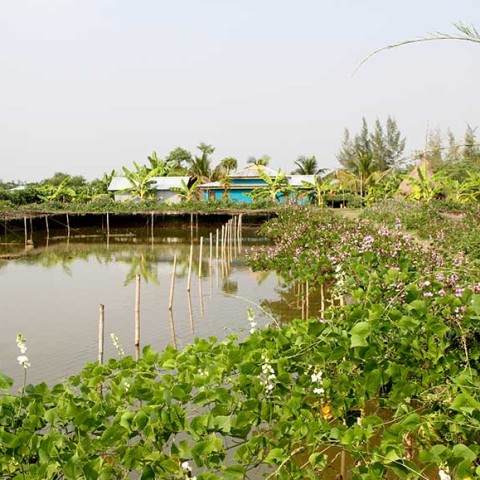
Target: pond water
<point>52,296</point>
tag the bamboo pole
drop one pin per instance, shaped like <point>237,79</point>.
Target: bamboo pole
<point>216,244</point>
<point>137,316</point>
<point>108,224</point>
<point>200,258</point>
<point>190,312</point>
<point>172,328</point>
<point>47,228</point>
<point>172,283</point>
<point>26,231</point>
<point>189,277</point>
<point>211,250</point>
<point>307,301</point>
<point>191,225</point>
<point>152,224</point>
<point>101,332</point>
<point>31,229</point>
<point>5,227</point>
<point>200,296</point>
<point>68,225</point>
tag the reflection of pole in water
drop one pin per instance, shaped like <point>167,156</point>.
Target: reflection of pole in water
<point>152,226</point>
<point>239,233</point>
<point>211,249</point>
<point>200,296</point>
<point>200,258</point>
<point>172,283</point>
<point>68,225</point>
<point>191,226</point>
<point>216,244</point>
<point>137,317</point>
<point>25,228</point>
<point>31,229</point>
<point>172,328</point>
<point>47,228</point>
<point>108,231</point>
<point>189,278</point>
<point>101,332</point>
<point>190,312</point>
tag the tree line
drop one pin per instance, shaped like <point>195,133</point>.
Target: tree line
<point>372,167</point>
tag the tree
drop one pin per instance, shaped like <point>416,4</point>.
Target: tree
<point>263,161</point>
<point>229,164</point>
<point>178,158</point>
<point>275,187</point>
<point>307,166</point>
<point>188,191</point>
<point>52,192</point>
<point>141,181</point>
<point>200,167</point>
<point>384,146</point>
<point>319,188</point>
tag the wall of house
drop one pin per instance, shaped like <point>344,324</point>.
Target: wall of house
<point>248,181</point>
<point>237,195</point>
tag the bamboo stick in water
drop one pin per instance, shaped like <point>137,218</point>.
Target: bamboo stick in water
<point>101,332</point>
<point>137,317</point>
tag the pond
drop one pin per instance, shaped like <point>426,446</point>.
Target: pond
<point>52,295</point>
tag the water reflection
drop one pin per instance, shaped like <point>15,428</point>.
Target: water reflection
<point>52,296</point>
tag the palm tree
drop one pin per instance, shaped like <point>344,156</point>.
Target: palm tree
<point>200,167</point>
<point>307,166</point>
<point>228,165</point>
<point>263,161</point>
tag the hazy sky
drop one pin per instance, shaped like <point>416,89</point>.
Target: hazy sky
<point>87,86</point>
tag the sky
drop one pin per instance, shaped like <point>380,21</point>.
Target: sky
<point>87,86</point>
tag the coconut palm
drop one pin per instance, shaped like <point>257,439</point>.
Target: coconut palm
<point>200,167</point>
<point>263,161</point>
<point>307,166</point>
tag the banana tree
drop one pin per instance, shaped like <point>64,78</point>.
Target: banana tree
<point>319,188</point>
<point>141,181</point>
<point>275,187</point>
<point>56,192</point>
<point>425,187</point>
<point>188,192</point>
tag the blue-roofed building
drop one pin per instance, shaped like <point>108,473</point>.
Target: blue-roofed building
<point>243,182</point>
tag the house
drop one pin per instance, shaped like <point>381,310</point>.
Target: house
<point>243,182</point>
<point>120,187</point>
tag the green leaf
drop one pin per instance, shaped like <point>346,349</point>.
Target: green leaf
<point>465,403</point>
<point>275,456</point>
<point>359,332</point>
<point>5,382</point>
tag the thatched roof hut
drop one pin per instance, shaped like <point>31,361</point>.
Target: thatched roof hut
<point>406,187</point>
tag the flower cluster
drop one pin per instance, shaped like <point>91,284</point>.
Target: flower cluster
<point>117,345</point>
<point>268,376</point>
<point>22,346</point>
<point>317,380</point>
<point>251,320</point>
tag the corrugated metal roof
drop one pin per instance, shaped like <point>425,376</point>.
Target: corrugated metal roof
<point>297,180</point>
<point>160,183</point>
<point>253,172</point>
